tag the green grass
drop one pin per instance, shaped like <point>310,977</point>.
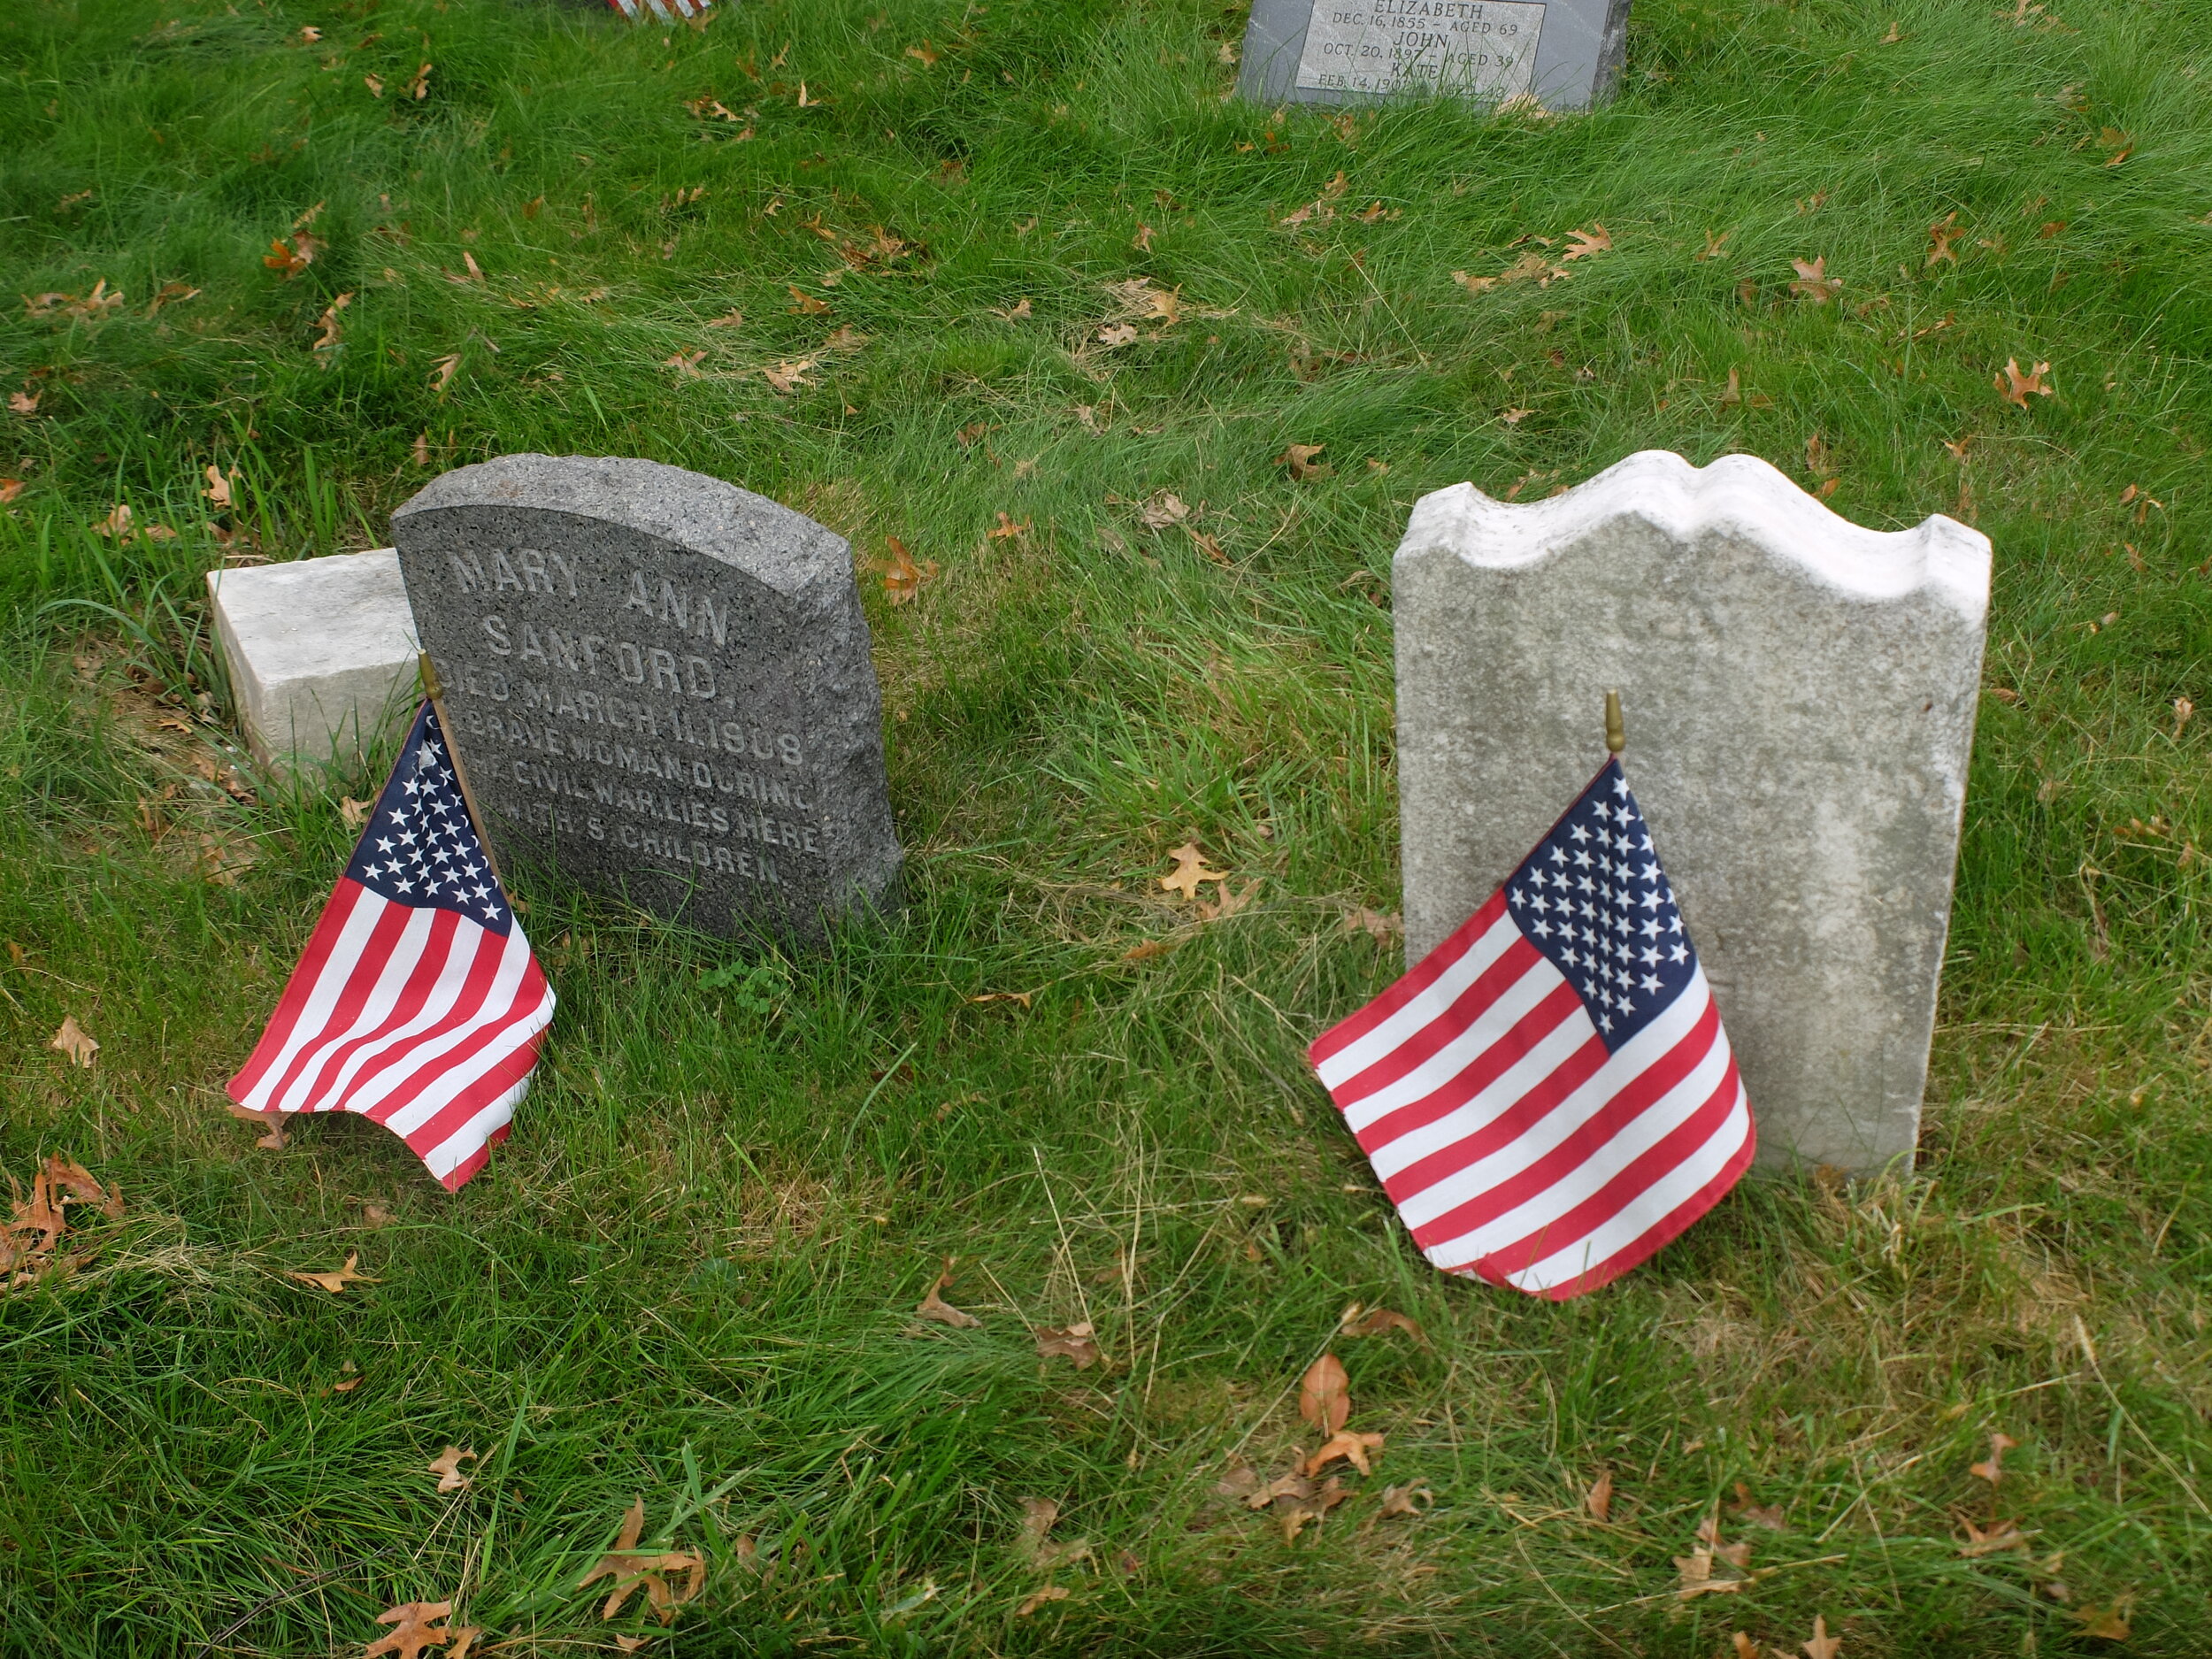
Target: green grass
<point>690,1275</point>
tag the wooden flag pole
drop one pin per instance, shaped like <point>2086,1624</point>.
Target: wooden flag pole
<point>1615,734</point>
<point>435,691</point>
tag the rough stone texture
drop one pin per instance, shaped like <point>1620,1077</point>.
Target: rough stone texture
<point>321,655</point>
<point>1800,698</point>
<point>660,685</point>
<point>1566,54</point>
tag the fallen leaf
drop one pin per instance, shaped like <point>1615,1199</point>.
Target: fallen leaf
<point>1142,241</point>
<point>1232,900</point>
<point>414,1627</point>
<point>74,1040</point>
<point>1527,266</point>
<point>271,1124</point>
<point>2108,1623</point>
<point>2122,146</point>
<point>787,378</point>
<point>1999,1537</point>
<point>1324,1399</point>
<point>23,403</point>
<point>903,577</point>
<point>1941,234</point>
<point>1769,1515</point>
<point>1822,1645</point>
<point>1015,313</point>
<point>348,1383</point>
<point>1190,869</point>
<point>1375,1321</point>
<point>1145,951</point>
<point>117,524</point>
<point>332,335</point>
<point>1037,1515</point>
<point>1074,1341</point>
<point>630,1568</point>
<point>352,813</point>
<point>1994,1471</point>
<point>463,1637</point>
<point>2016,387</point>
<point>77,1183</point>
<point>1114,334</point>
<point>1696,1569</point>
<point>1299,458</point>
<point>421,84</point>
<point>1038,1598</point>
<point>447,1466</point>
<point>2182,709</point>
<point>291,258</point>
<point>171,294</point>
<point>441,371</point>
<point>1713,245</point>
<point>335,1281</point>
<point>1813,281</point>
<point>934,1306</point>
<point>1348,1444</point>
<point>1514,417</point>
<point>685,363</point>
<point>732,319</point>
<point>1206,544</point>
<point>1584,243</point>
<point>630,1644</point>
<point>309,35</point>
<point>474,273</point>
<point>803,305</point>
<point>220,489</point>
<point>10,488</point>
<point>1381,929</point>
<point>1598,1501</point>
<point>1406,1500</point>
<point>1006,529</point>
<point>1162,509</point>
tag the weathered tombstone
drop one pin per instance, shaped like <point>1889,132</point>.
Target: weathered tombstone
<point>320,654</point>
<point>1801,695</point>
<point>660,685</point>
<point>1564,54</point>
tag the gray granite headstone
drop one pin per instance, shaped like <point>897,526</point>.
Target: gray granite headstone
<point>660,685</point>
<point>1564,54</point>
<point>1800,697</point>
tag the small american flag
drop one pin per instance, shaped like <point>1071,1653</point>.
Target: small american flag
<point>666,11</point>
<point>418,1003</point>
<point>1550,1097</point>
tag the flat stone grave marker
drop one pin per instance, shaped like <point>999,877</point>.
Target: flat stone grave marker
<point>660,685</point>
<point>1800,696</point>
<point>1564,54</point>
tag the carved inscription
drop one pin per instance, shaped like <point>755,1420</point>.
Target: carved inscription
<point>1478,49</point>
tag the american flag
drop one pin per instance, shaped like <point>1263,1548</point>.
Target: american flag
<point>666,11</point>
<point>418,1003</point>
<point>1548,1097</point>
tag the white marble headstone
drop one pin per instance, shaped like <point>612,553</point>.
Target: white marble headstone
<point>1564,54</point>
<point>1799,698</point>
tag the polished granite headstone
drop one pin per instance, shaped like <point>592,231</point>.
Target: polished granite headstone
<point>1563,54</point>
<point>659,685</point>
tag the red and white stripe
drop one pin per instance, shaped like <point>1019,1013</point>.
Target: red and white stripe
<point>1513,1146</point>
<point>416,1018</point>
<point>666,11</point>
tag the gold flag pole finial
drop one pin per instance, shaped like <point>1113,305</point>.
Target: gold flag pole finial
<point>1615,734</point>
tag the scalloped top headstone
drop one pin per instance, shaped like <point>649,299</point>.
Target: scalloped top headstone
<point>1563,54</point>
<point>1800,696</point>
<point>659,684</point>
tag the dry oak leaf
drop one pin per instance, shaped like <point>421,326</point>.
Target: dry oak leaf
<point>77,1185</point>
<point>1037,1515</point>
<point>117,524</point>
<point>1323,1394</point>
<point>1813,281</point>
<point>787,378</point>
<point>1299,458</point>
<point>2110,1623</point>
<point>336,1280</point>
<point>447,1466</point>
<point>1074,1341</point>
<point>1528,265</point>
<point>1190,869</point>
<point>1232,900</point>
<point>10,488</point>
<point>1941,234</point>
<point>414,1627</point>
<point>74,1040</point>
<point>1768,1515</point>
<point>903,577</point>
<point>1381,929</point>
<point>1994,1471</point>
<point>1036,1599</point>
<point>1407,1500</point>
<point>222,488</point>
<point>421,84</point>
<point>1013,313</point>
<point>441,371</point>
<point>1822,1645</point>
<point>1596,240</point>
<point>2016,387</point>
<point>2000,1537</point>
<point>803,305</point>
<point>630,1567</point>
<point>1375,1321</point>
<point>1696,1569</point>
<point>934,1306</point>
<point>1351,1445</point>
<point>293,257</point>
<point>1006,529</point>
<point>23,403</point>
<point>1713,245</point>
<point>271,1124</point>
<point>1110,336</point>
<point>1162,509</point>
<point>728,319</point>
<point>1598,1501</point>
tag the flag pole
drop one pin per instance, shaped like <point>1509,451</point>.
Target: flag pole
<point>1615,734</point>
<point>434,690</point>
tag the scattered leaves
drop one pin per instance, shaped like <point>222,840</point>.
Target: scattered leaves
<point>1813,281</point>
<point>934,1306</point>
<point>2016,387</point>
<point>74,1040</point>
<point>1323,1394</point>
<point>1348,1444</point>
<point>631,1567</point>
<point>1190,869</point>
<point>271,1124</point>
<point>447,1466</point>
<point>1074,1341</point>
<point>903,577</point>
<point>337,1280</point>
<point>1299,458</point>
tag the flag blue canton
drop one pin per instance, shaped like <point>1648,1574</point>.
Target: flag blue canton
<point>1592,898</point>
<point>419,848</point>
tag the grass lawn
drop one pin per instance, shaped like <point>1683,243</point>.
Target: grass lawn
<point>908,266</point>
